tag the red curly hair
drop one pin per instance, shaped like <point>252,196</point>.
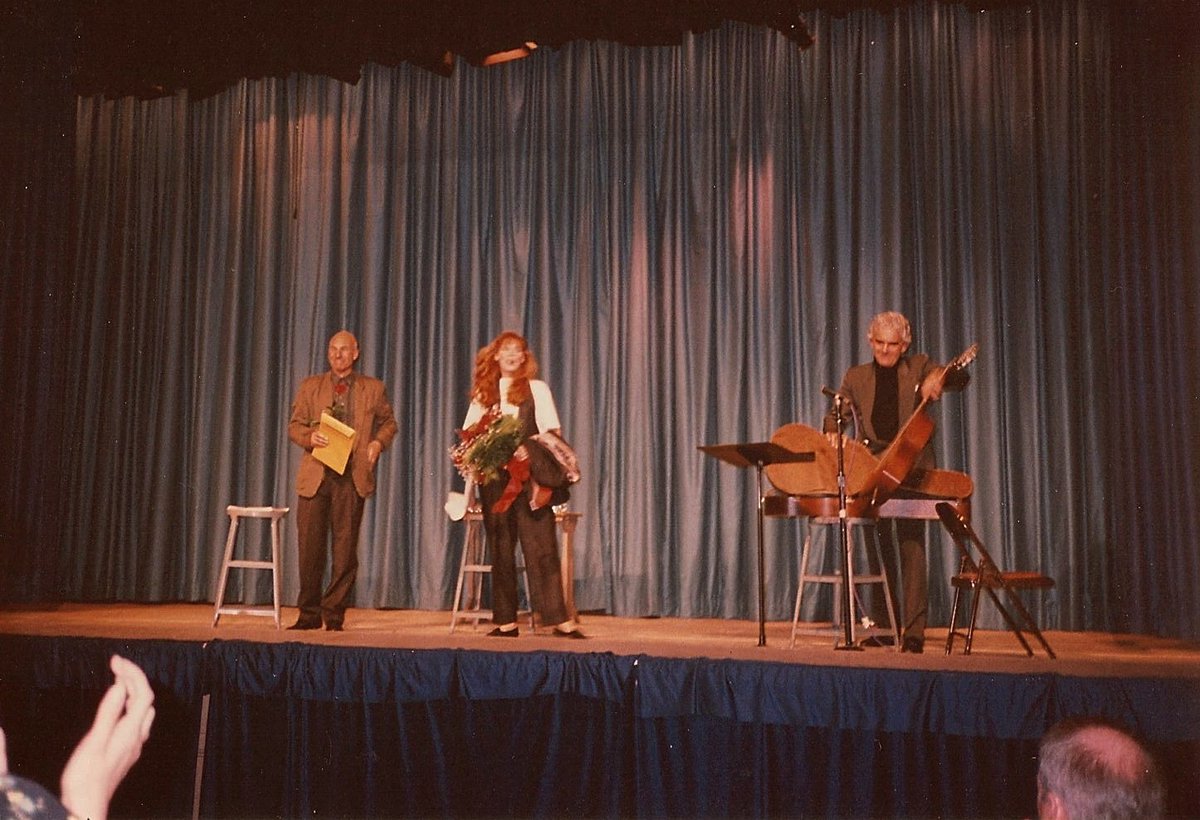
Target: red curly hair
<point>486,388</point>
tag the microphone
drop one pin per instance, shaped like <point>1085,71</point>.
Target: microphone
<point>832,394</point>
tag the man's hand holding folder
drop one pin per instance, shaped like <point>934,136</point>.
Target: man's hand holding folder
<point>332,443</point>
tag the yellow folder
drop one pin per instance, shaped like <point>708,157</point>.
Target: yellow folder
<point>341,441</point>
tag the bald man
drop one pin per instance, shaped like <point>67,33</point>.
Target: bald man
<point>330,506</point>
<point>1091,768</point>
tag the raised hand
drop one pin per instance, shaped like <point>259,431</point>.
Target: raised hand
<point>114,743</point>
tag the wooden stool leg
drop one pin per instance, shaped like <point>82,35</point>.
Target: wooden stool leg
<point>804,553</point>
<point>229,540</point>
<point>276,574</point>
<point>462,571</point>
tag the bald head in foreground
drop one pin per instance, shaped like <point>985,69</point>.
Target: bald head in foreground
<point>1091,768</point>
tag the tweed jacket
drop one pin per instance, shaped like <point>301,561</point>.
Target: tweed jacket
<point>858,385</point>
<point>372,419</point>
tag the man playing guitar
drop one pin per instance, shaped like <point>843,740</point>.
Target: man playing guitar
<point>884,394</point>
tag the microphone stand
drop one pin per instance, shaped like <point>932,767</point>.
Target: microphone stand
<point>843,528</point>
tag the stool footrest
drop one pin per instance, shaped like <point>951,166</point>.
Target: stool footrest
<point>837,579</point>
<point>268,611</point>
<point>246,563</point>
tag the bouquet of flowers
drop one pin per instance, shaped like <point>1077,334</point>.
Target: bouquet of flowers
<point>487,446</point>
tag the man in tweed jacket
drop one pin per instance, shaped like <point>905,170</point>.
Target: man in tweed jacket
<point>329,502</point>
<point>883,394</point>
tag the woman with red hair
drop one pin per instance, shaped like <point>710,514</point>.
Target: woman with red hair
<point>506,382</point>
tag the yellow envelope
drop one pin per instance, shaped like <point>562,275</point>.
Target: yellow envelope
<point>341,441</point>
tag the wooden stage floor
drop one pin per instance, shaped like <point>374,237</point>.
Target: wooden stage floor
<point>1090,654</point>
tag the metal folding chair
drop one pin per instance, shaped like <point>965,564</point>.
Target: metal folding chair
<point>979,573</point>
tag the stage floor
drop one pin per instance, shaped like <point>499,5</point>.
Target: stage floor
<point>1089,654</point>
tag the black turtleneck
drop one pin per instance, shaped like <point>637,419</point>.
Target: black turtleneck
<point>885,413</point>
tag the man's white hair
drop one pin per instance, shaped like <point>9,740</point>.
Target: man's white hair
<point>890,320</point>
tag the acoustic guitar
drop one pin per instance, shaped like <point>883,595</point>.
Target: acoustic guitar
<point>817,479</point>
<point>898,460</point>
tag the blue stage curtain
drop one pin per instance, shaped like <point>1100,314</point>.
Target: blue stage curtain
<point>365,732</point>
<point>693,238</point>
<point>303,731</point>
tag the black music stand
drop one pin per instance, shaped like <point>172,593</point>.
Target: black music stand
<point>758,454</point>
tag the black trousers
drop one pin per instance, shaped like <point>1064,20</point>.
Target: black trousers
<point>904,547</point>
<point>335,509</point>
<point>536,531</point>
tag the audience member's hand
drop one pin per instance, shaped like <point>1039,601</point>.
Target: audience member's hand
<point>114,743</point>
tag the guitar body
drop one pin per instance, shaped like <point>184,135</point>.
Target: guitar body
<point>818,477</point>
<point>815,483</point>
<point>938,484</point>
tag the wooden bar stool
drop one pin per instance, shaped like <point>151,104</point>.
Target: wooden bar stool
<point>474,564</point>
<point>275,515</point>
<point>869,540</point>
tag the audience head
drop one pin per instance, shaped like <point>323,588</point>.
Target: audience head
<point>1091,768</point>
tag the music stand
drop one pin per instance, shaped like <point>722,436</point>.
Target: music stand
<point>758,454</point>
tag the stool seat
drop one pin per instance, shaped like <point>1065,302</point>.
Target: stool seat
<point>236,513</point>
<point>257,512</point>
